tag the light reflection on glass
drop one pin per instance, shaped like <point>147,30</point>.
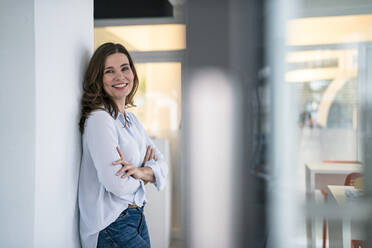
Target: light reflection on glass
<point>158,98</point>
<point>144,37</point>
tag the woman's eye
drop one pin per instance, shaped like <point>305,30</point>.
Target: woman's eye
<point>124,68</point>
<point>109,71</point>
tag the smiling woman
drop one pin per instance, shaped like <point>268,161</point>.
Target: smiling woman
<point>101,67</point>
<point>111,199</point>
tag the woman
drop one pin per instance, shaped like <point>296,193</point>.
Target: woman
<point>112,198</point>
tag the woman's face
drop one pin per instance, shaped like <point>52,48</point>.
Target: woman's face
<point>117,77</point>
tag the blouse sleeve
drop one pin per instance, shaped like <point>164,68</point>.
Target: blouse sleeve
<point>160,166</point>
<point>102,140</point>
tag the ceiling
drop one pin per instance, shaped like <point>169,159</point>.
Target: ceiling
<point>112,9</point>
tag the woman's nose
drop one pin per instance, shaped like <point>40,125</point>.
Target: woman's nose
<point>119,76</point>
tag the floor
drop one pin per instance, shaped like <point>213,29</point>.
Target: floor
<point>176,243</point>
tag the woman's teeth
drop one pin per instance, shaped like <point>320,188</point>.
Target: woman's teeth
<point>120,85</point>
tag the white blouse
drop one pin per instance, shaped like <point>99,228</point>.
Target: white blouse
<point>102,194</point>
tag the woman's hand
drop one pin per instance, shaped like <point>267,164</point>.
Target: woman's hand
<point>150,154</point>
<point>128,168</point>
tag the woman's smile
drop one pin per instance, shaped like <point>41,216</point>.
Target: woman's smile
<point>120,86</point>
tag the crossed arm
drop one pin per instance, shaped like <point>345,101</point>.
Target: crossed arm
<point>128,169</point>
<point>101,139</point>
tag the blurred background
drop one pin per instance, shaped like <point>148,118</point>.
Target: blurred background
<point>262,108</point>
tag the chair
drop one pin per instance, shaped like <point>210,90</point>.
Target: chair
<point>358,244</point>
<point>349,179</point>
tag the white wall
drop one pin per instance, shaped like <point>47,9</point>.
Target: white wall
<point>63,42</point>
<point>17,125</point>
<point>44,48</point>
<point>158,207</point>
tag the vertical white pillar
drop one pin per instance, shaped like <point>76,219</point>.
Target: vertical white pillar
<point>63,45</point>
<point>44,49</point>
<point>211,159</point>
<point>284,211</point>
<point>17,125</point>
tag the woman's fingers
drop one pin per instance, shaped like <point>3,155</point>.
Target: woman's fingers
<point>120,152</point>
<point>148,154</point>
<point>129,173</point>
<point>120,161</point>
<point>124,169</point>
<point>128,169</point>
<point>121,171</point>
<point>152,156</point>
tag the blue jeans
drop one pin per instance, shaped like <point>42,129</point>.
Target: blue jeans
<point>129,230</point>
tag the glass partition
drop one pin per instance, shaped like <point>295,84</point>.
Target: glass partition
<point>325,71</point>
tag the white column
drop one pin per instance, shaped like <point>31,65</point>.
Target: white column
<point>63,43</point>
<point>17,123</point>
<point>45,46</point>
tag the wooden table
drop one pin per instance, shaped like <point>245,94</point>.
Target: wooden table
<point>319,176</point>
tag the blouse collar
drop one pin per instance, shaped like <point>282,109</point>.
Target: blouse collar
<point>126,116</point>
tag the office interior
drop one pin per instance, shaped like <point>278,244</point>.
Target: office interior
<point>262,109</point>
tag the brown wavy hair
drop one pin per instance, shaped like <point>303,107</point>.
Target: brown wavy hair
<point>94,97</point>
